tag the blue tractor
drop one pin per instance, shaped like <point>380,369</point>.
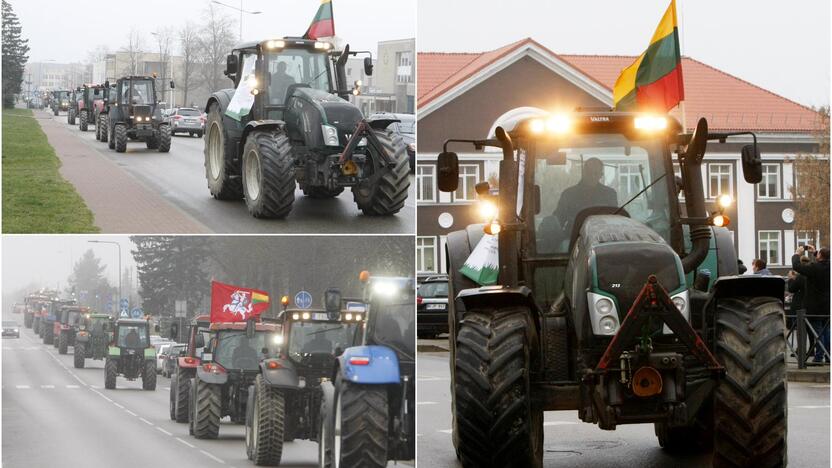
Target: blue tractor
<point>367,412</point>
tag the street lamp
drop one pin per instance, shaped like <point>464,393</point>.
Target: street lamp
<point>119,260</point>
<point>241,13</point>
<point>162,79</point>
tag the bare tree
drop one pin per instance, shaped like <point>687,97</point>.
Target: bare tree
<point>216,40</point>
<point>98,54</point>
<point>189,44</point>
<point>134,52</point>
<point>811,189</point>
<point>164,37</point>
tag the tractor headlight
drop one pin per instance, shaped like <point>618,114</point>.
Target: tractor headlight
<point>487,209</point>
<point>277,339</point>
<point>330,134</point>
<point>357,317</point>
<point>650,123</point>
<point>275,44</point>
<point>295,316</point>
<point>348,317</point>
<point>682,302</point>
<point>558,124</point>
<point>603,314</point>
<point>385,288</point>
<point>306,315</point>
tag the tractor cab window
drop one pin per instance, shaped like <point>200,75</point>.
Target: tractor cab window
<point>132,336</point>
<point>72,317</point>
<point>393,324</point>
<point>295,66</point>
<point>99,324</point>
<point>596,171</point>
<point>137,92</point>
<point>307,338</point>
<point>63,95</point>
<point>234,350</point>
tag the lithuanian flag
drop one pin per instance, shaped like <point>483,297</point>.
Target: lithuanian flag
<point>257,298</point>
<point>323,25</point>
<point>654,80</point>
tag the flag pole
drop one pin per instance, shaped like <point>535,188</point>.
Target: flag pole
<point>682,33</point>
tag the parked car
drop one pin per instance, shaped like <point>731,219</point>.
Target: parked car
<point>187,120</point>
<point>432,307</point>
<point>161,352</point>
<point>406,129</point>
<point>173,352</point>
<point>11,328</point>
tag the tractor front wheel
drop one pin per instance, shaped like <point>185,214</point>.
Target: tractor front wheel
<point>224,181</point>
<point>264,437</point>
<point>496,423</point>
<point>750,403</point>
<point>164,138</point>
<point>207,408</point>
<point>70,117</point>
<point>98,128</point>
<point>83,125</point>
<point>121,138</point>
<point>360,425</point>
<point>110,373</point>
<point>78,355</point>
<point>149,375</point>
<point>385,191</point>
<point>268,174</point>
<point>63,342</point>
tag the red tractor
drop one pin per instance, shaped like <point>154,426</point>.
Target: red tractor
<point>185,367</point>
<point>90,104</point>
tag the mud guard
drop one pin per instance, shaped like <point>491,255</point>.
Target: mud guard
<point>284,376</point>
<point>457,249</point>
<point>222,97</point>
<point>750,286</point>
<point>379,365</point>
<point>258,125</point>
<point>497,296</point>
<point>380,124</point>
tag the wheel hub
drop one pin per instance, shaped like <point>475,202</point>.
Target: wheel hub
<point>253,175</point>
<point>214,151</point>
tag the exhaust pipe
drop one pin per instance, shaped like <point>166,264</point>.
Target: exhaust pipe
<point>695,196</point>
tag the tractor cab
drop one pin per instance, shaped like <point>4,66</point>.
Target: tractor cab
<point>72,316</point>
<point>232,346</point>
<point>91,94</point>
<point>313,338</point>
<point>137,94</point>
<point>391,319</point>
<point>131,334</point>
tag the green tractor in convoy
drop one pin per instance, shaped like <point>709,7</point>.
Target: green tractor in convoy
<point>300,129</point>
<point>134,113</point>
<point>611,298</point>
<point>75,96</point>
<point>130,354</point>
<point>101,121</point>
<point>92,338</point>
<point>59,101</point>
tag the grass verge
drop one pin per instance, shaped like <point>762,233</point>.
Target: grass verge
<point>36,199</point>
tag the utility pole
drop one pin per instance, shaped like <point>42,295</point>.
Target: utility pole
<point>241,13</point>
<point>119,262</point>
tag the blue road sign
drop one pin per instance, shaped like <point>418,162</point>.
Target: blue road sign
<point>124,303</point>
<point>303,300</point>
<point>136,312</point>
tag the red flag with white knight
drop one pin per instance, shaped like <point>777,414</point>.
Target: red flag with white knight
<point>231,303</point>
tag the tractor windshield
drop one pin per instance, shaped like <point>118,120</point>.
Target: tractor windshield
<point>63,95</point>
<point>234,350</point>
<point>578,174</point>
<point>132,336</point>
<point>295,66</point>
<point>320,338</point>
<point>99,324</point>
<point>138,92</point>
<point>95,93</point>
<point>393,324</point>
<point>72,317</point>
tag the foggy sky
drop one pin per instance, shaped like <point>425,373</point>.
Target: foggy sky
<point>779,45</point>
<point>46,23</point>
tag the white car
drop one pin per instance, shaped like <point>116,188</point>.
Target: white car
<point>161,352</point>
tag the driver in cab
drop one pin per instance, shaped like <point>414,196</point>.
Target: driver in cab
<point>244,352</point>
<point>318,344</point>
<point>280,82</point>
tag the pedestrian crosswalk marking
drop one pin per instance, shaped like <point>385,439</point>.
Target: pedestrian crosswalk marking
<point>47,386</point>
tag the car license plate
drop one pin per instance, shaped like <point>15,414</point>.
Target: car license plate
<point>436,307</point>
<point>190,121</point>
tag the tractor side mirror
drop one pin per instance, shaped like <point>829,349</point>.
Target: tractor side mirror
<point>752,164</point>
<point>332,301</point>
<point>156,328</point>
<point>368,66</point>
<point>200,341</point>
<point>698,142</point>
<point>447,167</point>
<point>172,84</point>
<point>231,65</point>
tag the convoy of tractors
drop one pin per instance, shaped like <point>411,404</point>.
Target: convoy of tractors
<point>342,375</point>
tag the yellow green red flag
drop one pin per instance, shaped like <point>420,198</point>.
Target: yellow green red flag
<point>258,298</point>
<point>654,80</point>
<point>323,24</point>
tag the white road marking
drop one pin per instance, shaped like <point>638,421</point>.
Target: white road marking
<point>73,386</point>
<point>47,386</point>
<point>426,403</point>
<point>558,423</point>
<point>218,460</point>
<point>130,412</point>
<point>819,386</point>
<point>446,431</point>
<point>145,421</point>
<point>809,407</point>
<point>428,378</point>
<point>189,445</point>
<point>163,431</point>
<point>22,387</point>
<point>118,405</point>
<point>166,388</point>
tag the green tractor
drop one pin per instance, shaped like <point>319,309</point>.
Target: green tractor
<point>300,129</point>
<point>101,121</point>
<point>130,354</point>
<point>607,295</point>
<point>92,338</point>
<point>75,96</point>
<point>59,101</point>
<point>134,112</point>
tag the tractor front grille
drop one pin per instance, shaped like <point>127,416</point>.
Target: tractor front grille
<point>141,111</point>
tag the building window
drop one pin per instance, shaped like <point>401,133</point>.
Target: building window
<point>806,238</point>
<point>768,247</point>
<point>769,187</point>
<point>426,254</point>
<point>629,179</point>
<point>425,182</point>
<point>469,174</point>
<point>719,180</point>
<point>404,68</point>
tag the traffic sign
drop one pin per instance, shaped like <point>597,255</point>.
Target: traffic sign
<point>124,303</point>
<point>303,300</point>
<point>136,312</point>
<point>180,308</point>
<point>124,314</point>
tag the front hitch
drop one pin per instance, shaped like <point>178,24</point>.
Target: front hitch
<point>362,130</point>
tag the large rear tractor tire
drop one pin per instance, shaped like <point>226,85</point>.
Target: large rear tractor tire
<point>207,408</point>
<point>63,342</point>
<point>110,373</point>
<point>268,174</point>
<point>496,423</point>
<point>385,191</point>
<point>83,122</point>
<point>182,390</point>
<point>164,138</point>
<point>111,141</point>
<point>360,425</point>
<point>221,169</point>
<point>121,138</point>
<point>750,405</point>
<point>78,356</point>
<point>70,117</point>
<point>102,122</point>
<point>49,334</point>
<point>264,438</point>
<point>326,426</point>
<point>322,192</point>
<point>149,375</point>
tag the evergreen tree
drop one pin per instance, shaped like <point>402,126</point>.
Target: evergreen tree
<point>88,284</point>
<point>15,49</point>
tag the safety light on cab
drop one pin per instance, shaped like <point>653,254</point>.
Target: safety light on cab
<point>651,123</point>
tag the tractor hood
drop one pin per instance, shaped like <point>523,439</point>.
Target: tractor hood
<point>335,111</point>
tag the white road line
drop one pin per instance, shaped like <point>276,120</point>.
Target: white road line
<point>558,423</point>
<point>145,421</point>
<point>130,412</point>
<point>166,388</point>
<point>47,386</point>
<point>118,405</point>
<point>809,407</point>
<point>446,431</point>
<point>426,403</point>
<point>189,445</point>
<point>163,431</point>
<point>431,379</point>
<point>218,460</point>
<point>73,386</point>
<point>22,387</point>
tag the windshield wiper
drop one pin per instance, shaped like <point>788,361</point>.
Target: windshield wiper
<point>324,330</point>
<point>309,83</point>
<point>639,193</point>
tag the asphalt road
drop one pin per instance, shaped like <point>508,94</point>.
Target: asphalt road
<point>179,176</point>
<point>56,415</point>
<point>568,442</point>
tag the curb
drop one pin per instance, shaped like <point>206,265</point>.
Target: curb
<point>818,375</point>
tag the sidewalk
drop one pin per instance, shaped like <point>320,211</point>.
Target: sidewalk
<point>120,203</point>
